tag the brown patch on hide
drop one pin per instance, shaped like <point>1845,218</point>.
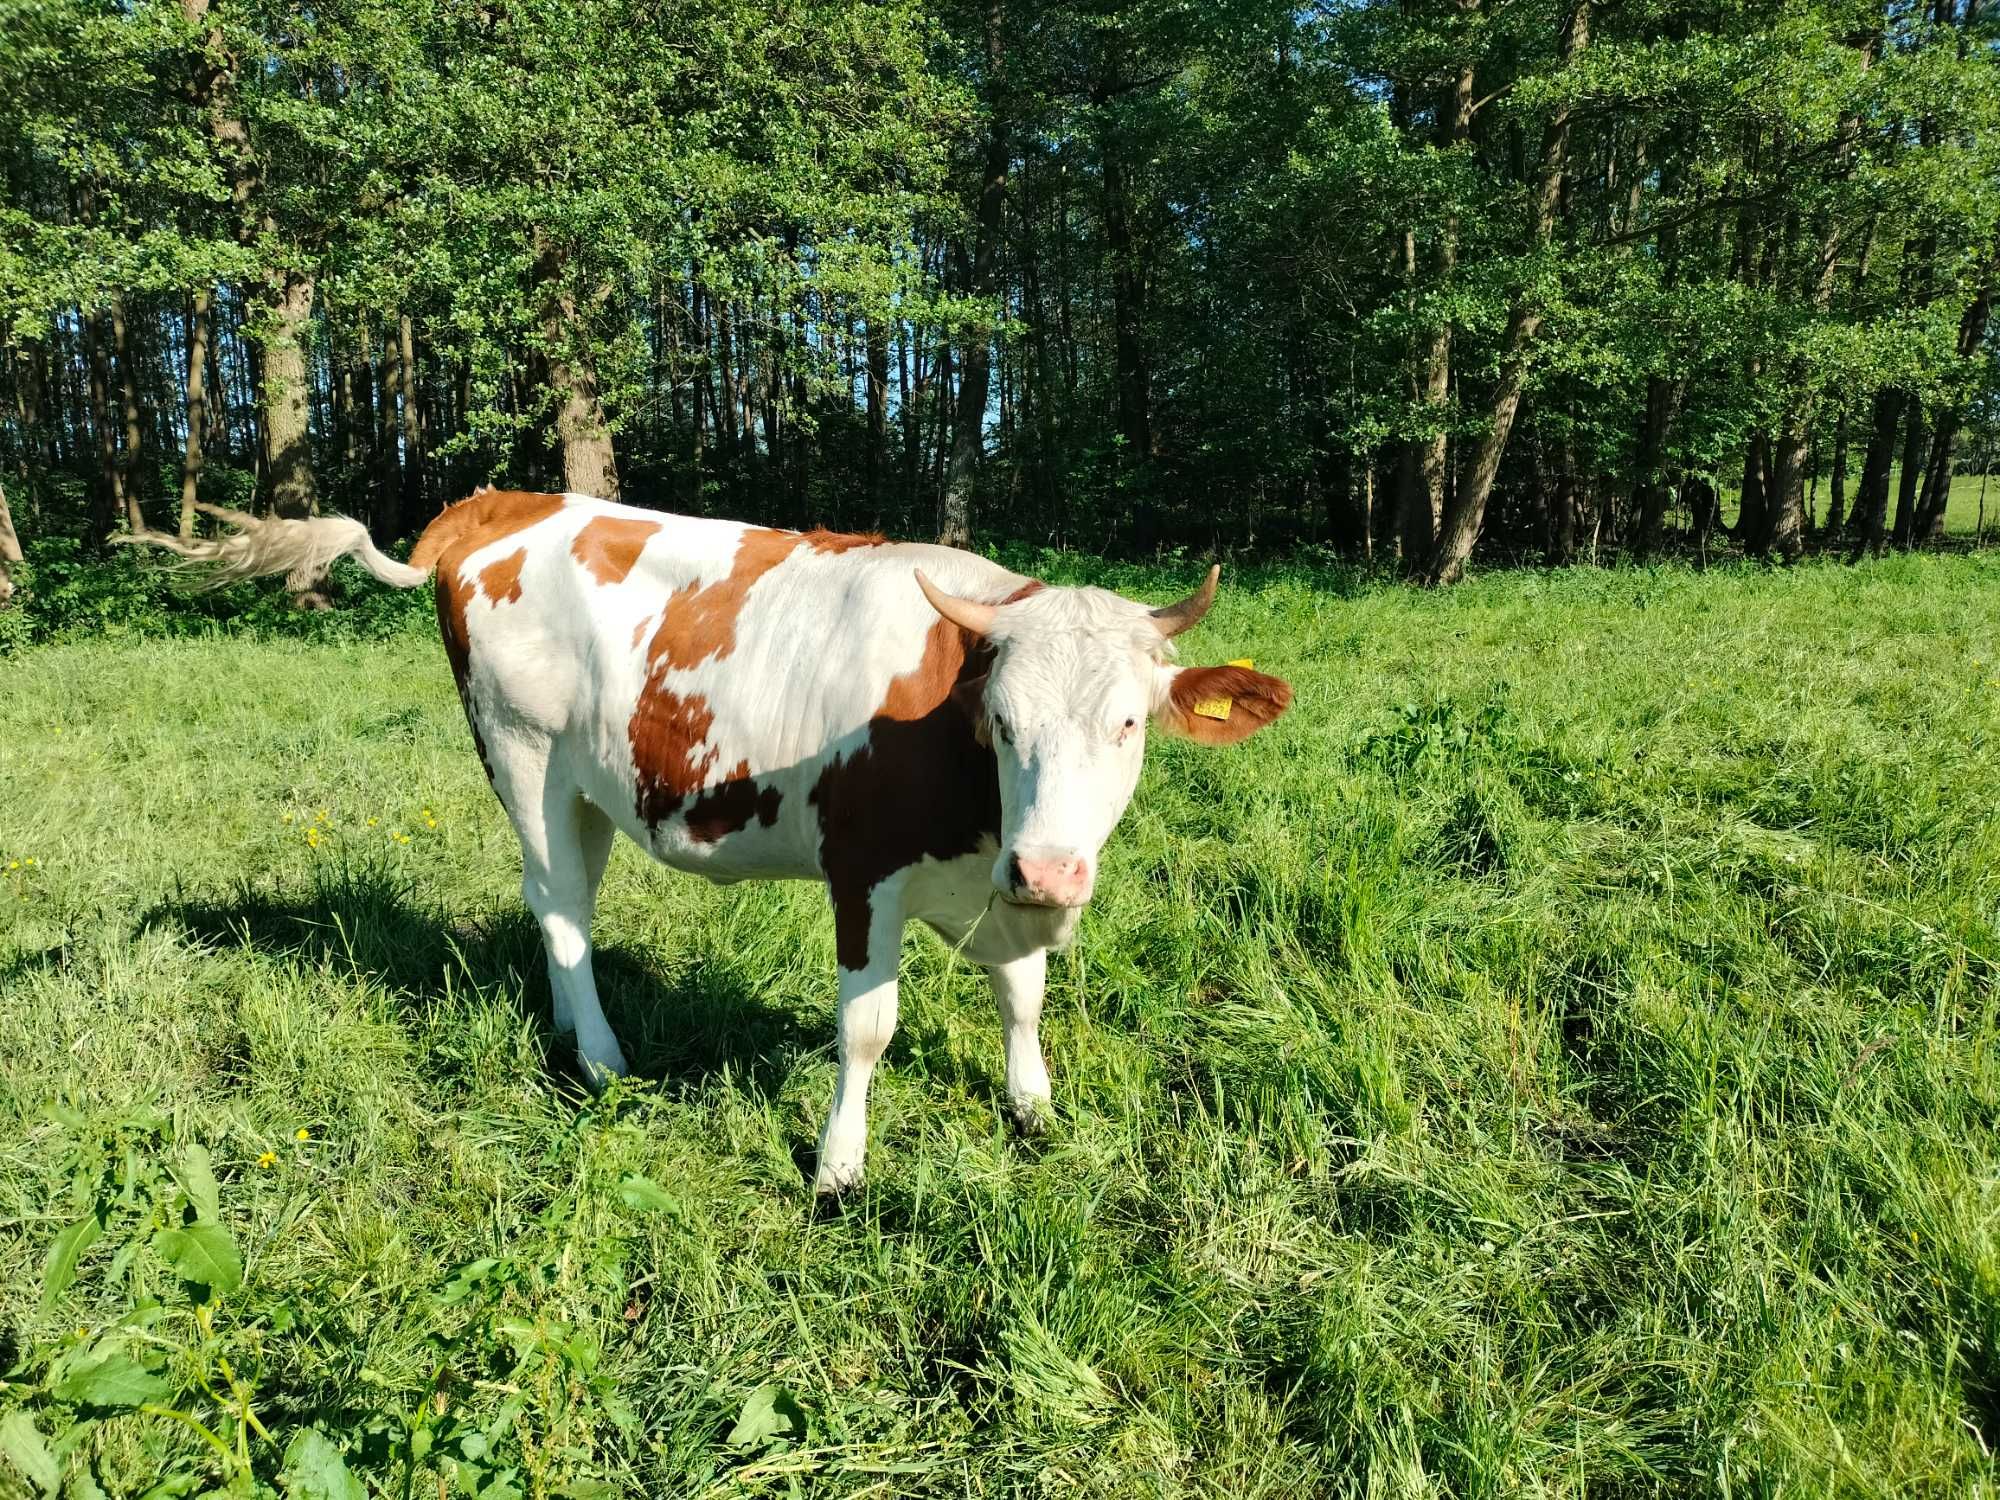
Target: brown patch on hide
<point>943,665</point>
<point>501,581</point>
<point>609,546</point>
<point>667,733</point>
<point>842,541</point>
<point>485,517</point>
<point>921,786</point>
<point>700,621</point>
<point>729,806</point>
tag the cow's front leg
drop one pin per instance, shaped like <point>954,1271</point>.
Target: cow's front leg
<point>1017,990</point>
<point>866,1023</point>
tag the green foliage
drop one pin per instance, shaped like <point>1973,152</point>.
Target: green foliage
<point>1228,240</point>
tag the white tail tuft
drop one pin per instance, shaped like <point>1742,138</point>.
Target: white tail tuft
<point>301,550</point>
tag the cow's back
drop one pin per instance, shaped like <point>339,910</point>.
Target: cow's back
<point>734,697</point>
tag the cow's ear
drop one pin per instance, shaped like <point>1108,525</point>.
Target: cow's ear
<point>970,696</point>
<point>1218,705</point>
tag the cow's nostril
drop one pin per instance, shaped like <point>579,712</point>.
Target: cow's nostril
<point>1015,879</point>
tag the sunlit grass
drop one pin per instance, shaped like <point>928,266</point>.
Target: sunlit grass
<point>1560,1058</point>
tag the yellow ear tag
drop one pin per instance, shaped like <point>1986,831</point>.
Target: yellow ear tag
<point>1218,708</point>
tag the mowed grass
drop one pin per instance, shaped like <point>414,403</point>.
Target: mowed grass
<point>1558,1059</point>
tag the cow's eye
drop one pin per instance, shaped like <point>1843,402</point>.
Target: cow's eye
<point>1000,728</point>
<point>1124,731</point>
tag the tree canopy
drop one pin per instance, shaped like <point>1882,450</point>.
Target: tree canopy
<point>1439,280</point>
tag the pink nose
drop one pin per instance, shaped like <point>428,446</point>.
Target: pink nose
<point>1051,880</point>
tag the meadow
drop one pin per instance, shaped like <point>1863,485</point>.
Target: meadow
<point>1558,1059</point>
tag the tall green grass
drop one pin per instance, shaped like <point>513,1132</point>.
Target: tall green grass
<point>1558,1059</point>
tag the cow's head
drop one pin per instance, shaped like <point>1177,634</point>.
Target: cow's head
<point>1076,674</point>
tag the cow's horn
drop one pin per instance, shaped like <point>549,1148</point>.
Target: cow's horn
<point>964,613</point>
<point>1172,619</point>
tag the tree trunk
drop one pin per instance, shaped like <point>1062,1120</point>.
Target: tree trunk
<point>1785,525</point>
<point>1869,518</point>
<point>287,420</point>
<point>1912,474</point>
<point>197,409</point>
<point>413,443</point>
<point>910,380</point>
<point>1562,519</point>
<point>878,409</point>
<point>1936,493</point>
<point>1836,510</point>
<point>1937,478</point>
<point>725,407</point>
<point>1420,508</point>
<point>1422,502</point>
<point>1466,512</point>
<point>10,548</point>
<point>128,403</point>
<point>1653,490</point>
<point>108,496</point>
<point>351,393</point>
<point>589,467</point>
<point>385,442</point>
<point>1751,502</point>
<point>704,396</point>
<point>969,438</point>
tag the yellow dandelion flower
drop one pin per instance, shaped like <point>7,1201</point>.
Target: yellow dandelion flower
<point>371,822</point>
<point>302,1134</point>
<point>31,859</point>
<point>13,864</point>
<point>268,1159</point>
<point>312,838</point>
<point>83,1333</point>
<point>288,817</point>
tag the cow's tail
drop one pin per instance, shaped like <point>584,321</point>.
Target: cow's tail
<point>300,549</point>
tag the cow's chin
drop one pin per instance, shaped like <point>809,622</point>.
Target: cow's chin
<point>1036,926</point>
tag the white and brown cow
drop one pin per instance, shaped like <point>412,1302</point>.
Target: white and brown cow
<point>933,736</point>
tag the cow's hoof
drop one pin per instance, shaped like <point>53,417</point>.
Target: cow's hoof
<point>1031,1118</point>
<point>831,1184</point>
<point>599,1071</point>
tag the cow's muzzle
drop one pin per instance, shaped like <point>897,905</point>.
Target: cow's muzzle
<point>1046,877</point>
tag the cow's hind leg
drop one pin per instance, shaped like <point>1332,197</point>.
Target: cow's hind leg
<point>565,842</point>
<point>595,833</point>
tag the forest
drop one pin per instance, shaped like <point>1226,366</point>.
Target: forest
<point>1413,283</point>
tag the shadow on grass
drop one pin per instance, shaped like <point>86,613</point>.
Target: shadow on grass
<point>705,1022</point>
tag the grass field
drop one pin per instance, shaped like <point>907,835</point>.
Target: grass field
<point>1559,1059</point>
